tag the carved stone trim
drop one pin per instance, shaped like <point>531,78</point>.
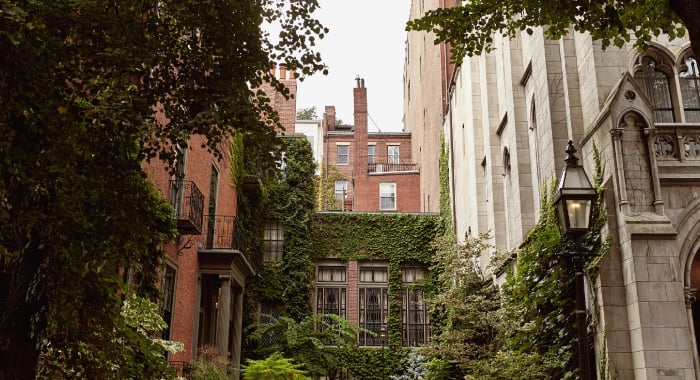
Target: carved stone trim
<point>690,296</point>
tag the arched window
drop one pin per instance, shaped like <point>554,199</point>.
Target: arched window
<point>689,80</point>
<point>656,87</point>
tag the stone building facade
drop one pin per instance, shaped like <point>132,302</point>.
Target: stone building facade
<point>508,118</point>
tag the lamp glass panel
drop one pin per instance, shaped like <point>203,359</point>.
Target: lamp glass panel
<point>579,213</point>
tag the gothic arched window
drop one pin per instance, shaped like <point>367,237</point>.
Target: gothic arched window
<point>656,87</point>
<point>689,80</point>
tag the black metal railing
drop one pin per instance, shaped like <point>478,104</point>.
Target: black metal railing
<point>383,167</point>
<point>223,232</point>
<point>226,232</point>
<point>188,206</point>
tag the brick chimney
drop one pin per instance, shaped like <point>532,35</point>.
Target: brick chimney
<point>329,119</point>
<point>360,136</point>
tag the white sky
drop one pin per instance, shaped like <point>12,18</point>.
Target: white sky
<point>366,38</point>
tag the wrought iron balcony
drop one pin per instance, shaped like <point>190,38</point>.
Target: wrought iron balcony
<point>188,206</point>
<point>384,167</point>
<point>223,232</point>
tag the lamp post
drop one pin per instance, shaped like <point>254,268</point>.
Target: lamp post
<point>574,204</point>
<point>382,338</point>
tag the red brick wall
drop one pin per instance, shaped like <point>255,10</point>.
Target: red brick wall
<point>286,108</point>
<point>198,170</point>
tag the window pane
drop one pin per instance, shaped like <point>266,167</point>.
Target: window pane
<point>343,155</point>
<point>387,196</point>
<point>656,87</point>
<point>273,238</point>
<point>690,90</point>
<point>393,154</point>
<point>341,190</point>
<point>370,154</point>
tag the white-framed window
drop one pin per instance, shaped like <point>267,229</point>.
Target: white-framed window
<point>343,157</point>
<point>341,191</point>
<point>373,302</point>
<point>392,153</point>
<point>387,196</point>
<point>370,154</point>
<point>415,328</point>
<point>273,239</point>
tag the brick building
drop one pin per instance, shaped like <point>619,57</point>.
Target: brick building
<point>377,169</point>
<point>207,265</point>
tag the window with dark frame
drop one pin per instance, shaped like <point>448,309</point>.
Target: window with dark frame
<point>331,291</point>
<point>655,85</point>
<point>373,303</point>
<point>343,157</point>
<point>690,90</point>
<point>167,287</point>
<point>274,241</point>
<point>414,310</point>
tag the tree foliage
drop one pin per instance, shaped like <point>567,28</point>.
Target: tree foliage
<point>274,367</point>
<point>307,113</point>
<point>88,90</point>
<point>470,28</point>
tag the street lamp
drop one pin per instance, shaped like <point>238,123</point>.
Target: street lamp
<point>574,204</point>
<point>382,338</point>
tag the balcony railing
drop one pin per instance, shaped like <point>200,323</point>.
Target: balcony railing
<point>383,167</point>
<point>188,206</point>
<point>223,232</point>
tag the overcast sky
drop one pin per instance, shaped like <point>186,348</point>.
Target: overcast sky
<point>366,38</point>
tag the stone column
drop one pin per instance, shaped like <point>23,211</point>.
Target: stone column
<point>224,316</point>
<point>237,333</point>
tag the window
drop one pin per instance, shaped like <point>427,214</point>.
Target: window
<point>387,196</point>
<point>274,241</point>
<point>393,154</point>
<point>414,310</point>
<point>373,303</point>
<point>211,215</point>
<point>343,155</point>
<point>167,287</point>
<point>370,154</point>
<point>269,313</point>
<point>341,191</point>
<point>331,290</point>
<point>690,90</point>
<point>655,85</point>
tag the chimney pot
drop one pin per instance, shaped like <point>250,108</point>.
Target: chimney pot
<point>283,71</point>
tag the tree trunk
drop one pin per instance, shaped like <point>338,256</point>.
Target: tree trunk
<point>689,13</point>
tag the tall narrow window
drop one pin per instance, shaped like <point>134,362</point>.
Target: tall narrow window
<point>656,87</point>
<point>167,287</point>
<point>343,155</point>
<point>370,154</point>
<point>393,154</point>
<point>387,196</point>
<point>690,90</point>
<point>414,310</point>
<point>211,217</point>
<point>341,191</point>
<point>373,303</point>
<point>274,241</point>
<point>331,290</point>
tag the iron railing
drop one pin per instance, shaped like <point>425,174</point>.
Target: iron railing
<point>383,167</point>
<point>188,206</point>
<point>226,232</point>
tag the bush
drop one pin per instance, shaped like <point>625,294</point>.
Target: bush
<point>275,367</point>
